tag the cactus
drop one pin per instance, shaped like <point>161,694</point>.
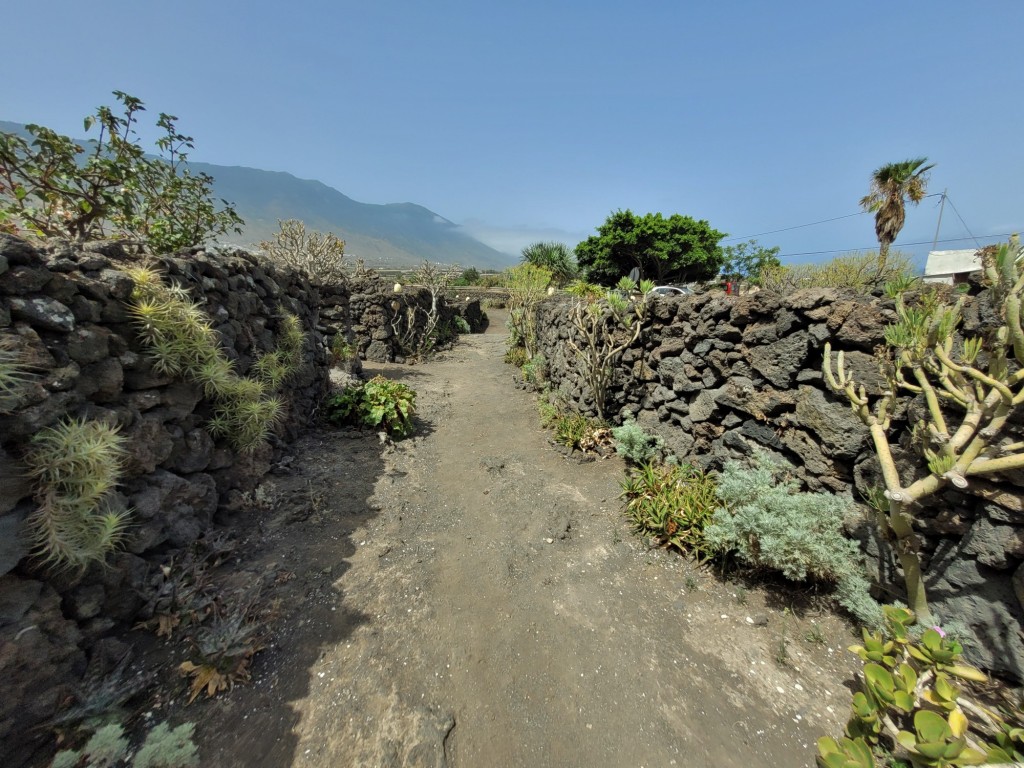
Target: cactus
<point>970,386</point>
<point>183,343</point>
<point>606,324</point>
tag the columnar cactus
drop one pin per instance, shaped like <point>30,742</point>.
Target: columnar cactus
<point>971,386</point>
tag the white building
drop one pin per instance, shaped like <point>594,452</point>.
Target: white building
<point>951,266</point>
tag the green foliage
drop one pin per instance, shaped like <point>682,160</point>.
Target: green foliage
<point>557,258</point>
<point>970,387</point>
<point>318,255</point>
<point>378,402</point>
<point>469,276</point>
<point>674,503</point>
<point>912,707</point>
<point>13,371</point>
<point>164,747</point>
<point>516,356</point>
<point>222,651</point>
<point>535,370</point>
<point>744,263</point>
<point>75,466</point>
<point>183,343</point>
<point>863,273</point>
<point>167,747</point>
<point>768,523</point>
<point>341,350</point>
<point>606,323</point>
<point>461,324</point>
<point>673,249</point>
<point>527,285</point>
<point>635,445</point>
<point>892,186</point>
<point>572,429</point>
<point>51,186</point>
<point>547,411</point>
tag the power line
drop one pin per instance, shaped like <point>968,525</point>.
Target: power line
<point>798,226</point>
<point>962,221</point>
<point>811,224</point>
<point>871,247</point>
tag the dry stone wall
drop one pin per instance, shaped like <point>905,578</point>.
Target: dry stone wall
<point>388,326</point>
<point>718,376</point>
<point>65,308</point>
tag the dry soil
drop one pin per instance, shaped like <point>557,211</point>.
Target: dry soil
<point>472,598</point>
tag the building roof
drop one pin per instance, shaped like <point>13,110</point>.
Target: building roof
<point>949,263</point>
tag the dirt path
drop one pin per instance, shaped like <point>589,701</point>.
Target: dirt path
<point>471,598</point>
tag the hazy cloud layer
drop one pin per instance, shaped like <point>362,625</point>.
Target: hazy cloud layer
<point>512,240</point>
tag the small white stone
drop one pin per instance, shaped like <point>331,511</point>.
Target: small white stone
<point>798,686</point>
<point>749,620</point>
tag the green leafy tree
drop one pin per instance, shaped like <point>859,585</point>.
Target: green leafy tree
<point>555,257</point>
<point>892,186</point>
<point>469,276</point>
<point>745,261</point>
<point>673,249</point>
<point>53,187</point>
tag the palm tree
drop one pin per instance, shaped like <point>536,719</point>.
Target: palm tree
<point>557,257</point>
<point>892,186</point>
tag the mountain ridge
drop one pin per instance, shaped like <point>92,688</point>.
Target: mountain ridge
<point>381,234</point>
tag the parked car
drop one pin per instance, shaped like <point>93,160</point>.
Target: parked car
<point>669,290</point>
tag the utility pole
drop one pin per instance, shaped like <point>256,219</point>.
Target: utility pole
<point>942,207</point>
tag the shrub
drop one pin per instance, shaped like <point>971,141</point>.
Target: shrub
<point>548,412</point>
<point>516,356</point>
<point>572,429</point>
<point>164,747</point>
<point>378,402</point>
<point>768,523</point>
<point>462,324</point>
<point>51,186</point>
<point>167,747</point>
<point>76,466</point>
<point>341,350</point>
<point>673,503</point>
<point>860,272</point>
<point>605,324</point>
<point>635,445</point>
<point>527,286</point>
<point>318,255</point>
<point>535,370</point>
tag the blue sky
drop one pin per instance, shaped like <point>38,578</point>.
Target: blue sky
<point>534,120</point>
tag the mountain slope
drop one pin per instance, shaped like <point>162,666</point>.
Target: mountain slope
<point>396,234</point>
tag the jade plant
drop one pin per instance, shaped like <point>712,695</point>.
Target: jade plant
<point>971,386</point>
<point>916,705</point>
